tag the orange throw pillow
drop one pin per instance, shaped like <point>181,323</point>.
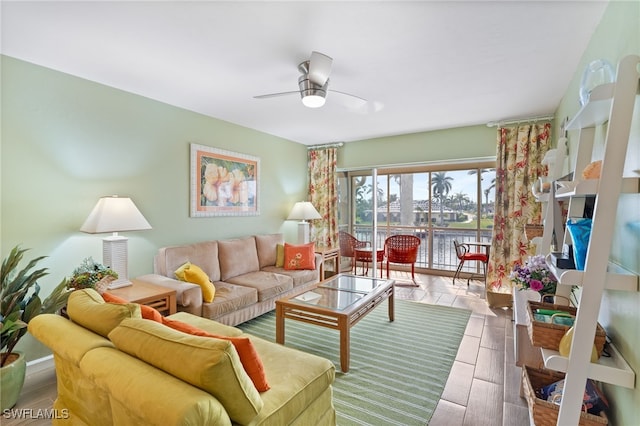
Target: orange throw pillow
<point>299,257</point>
<point>246,351</point>
<point>147,312</point>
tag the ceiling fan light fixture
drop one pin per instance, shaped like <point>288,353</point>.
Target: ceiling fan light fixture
<point>313,101</point>
<point>313,95</point>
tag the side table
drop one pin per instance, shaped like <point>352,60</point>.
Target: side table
<point>328,254</point>
<point>161,298</point>
<point>365,255</point>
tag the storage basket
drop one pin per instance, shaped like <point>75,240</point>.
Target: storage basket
<point>548,336</point>
<point>545,413</point>
<point>498,299</point>
<point>532,231</point>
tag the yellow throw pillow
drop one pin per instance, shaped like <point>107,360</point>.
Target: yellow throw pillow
<point>210,364</point>
<point>279,255</point>
<point>87,308</point>
<point>194,274</point>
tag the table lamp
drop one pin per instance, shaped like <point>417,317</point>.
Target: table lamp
<point>303,211</point>
<point>115,214</point>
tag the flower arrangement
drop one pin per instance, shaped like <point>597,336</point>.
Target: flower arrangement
<point>534,275</point>
<point>91,274</point>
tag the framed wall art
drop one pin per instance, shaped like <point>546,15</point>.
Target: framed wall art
<point>223,183</point>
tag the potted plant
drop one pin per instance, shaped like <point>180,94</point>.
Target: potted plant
<point>91,274</point>
<point>19,303</point>
<point>534,275</point>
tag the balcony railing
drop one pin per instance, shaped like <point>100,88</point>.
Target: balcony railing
<point>437,250</point>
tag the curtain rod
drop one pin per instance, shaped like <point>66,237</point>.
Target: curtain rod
<point>518,120</point>
<point>327,145</point>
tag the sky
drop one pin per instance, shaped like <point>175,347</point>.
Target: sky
<point>462,182</point>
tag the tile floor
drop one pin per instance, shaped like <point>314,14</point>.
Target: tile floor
<point>483,387</point>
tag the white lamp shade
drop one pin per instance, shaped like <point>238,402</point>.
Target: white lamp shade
<point>114,214</point>
<point>304,210</point>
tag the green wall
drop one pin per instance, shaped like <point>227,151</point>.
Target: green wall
<point>617,36</point>
<point>474,142</point>
<point>68,141</point>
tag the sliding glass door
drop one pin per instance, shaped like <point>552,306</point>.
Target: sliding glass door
<point>437,204</point>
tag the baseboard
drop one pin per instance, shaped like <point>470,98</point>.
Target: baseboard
<point>40,364</point>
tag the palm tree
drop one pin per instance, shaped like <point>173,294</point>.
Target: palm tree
<point>441,185</point>
<point>461,199</point>
<point>486,190</point>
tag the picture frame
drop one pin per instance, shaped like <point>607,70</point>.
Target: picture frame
<point>223,183</point>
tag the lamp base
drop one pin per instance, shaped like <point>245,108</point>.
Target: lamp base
<point>115,255</point>
<point>303,232</point>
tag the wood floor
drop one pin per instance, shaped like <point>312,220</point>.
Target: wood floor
<point>483,387</point>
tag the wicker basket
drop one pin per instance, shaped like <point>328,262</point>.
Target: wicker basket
<point>548,336</point>
<point>499,300</point>
<point>103,284</point>
<point>531,231</point>
<point>545,413</point>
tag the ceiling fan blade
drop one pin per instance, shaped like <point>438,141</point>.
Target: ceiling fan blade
<point>319,68</point>
<point>274,95</point>
<point>348,94</point>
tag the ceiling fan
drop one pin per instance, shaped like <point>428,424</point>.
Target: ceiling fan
<point>313,82</point>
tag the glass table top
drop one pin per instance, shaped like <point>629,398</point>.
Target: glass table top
<point>352,283</point>
<point>340,292</point>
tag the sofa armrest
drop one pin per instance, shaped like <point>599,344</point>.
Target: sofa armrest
<point>65,338</point>
<point>188,296</point>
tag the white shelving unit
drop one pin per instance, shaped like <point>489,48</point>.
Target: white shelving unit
<point>614,103</point>
<point>554,159</point>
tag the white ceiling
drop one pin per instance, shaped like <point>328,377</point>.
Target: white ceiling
<point>422,65</point>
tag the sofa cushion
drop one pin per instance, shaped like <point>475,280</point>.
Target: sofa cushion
<point>204,254</point>
<point>229,298</point>
<point>237,257</point>
<point>299,256</point>
<point>210,364</point>
<point>299,276</point>
<point>297,379</point>
<point>266,246</point>
<point>192,273</point>
<point>267,284</point>
<point>87,308</point>
<point>246,351</point>
<point>206,324</point>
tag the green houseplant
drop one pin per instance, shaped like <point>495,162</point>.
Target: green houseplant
<point>19,303</point>
<point>91,274</point>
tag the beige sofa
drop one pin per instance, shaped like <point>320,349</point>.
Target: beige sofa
<point>243,270</point>
<point>115,368</point>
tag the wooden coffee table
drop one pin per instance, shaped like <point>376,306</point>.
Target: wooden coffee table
<point>337,303</point>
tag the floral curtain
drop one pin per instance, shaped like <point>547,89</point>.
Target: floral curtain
<point>519,155</point>
<point>323,194</point>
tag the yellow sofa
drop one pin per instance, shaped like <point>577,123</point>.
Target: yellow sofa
<point>115,368</point>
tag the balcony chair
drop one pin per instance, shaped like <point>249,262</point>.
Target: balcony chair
<point>402,249</point>
<point>348,244</point>
<point>465,254</point>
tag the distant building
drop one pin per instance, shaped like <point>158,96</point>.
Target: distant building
<point>420,212</point>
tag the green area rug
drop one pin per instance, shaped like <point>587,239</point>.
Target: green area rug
<point>398,369</point>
